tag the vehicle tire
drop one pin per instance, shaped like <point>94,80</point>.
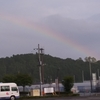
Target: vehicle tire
<point>12,98</point>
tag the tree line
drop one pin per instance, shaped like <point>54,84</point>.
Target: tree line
<point>54,67</point>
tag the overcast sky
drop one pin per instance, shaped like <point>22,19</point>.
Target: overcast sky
<point>64,28</point>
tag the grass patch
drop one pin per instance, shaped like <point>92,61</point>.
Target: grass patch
<point>61,94</point>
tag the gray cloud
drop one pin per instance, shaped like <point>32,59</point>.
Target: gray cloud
<point>77,20</point>
<point>84,32</point>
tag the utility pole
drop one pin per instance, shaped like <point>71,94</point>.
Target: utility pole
<point>90,73</point>
<point>42,65</point>
<point>82,75</point>
<point>40,59</point>
<point>74,78</point>
<point>98,74</point>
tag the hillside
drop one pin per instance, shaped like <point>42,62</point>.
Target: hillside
<point>28,63</point>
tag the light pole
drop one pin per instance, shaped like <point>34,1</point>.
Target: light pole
<point>91,60</point>
<point>58,78</point>
<point>90,73</point>
<point>98,74</point>
<point>98,77</point>
<point>74,78</point>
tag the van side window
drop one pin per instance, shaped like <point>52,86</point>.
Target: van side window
<point>5,88</point>
<point>14,89</point>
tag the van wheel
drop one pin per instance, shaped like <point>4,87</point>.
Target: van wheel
<point>12,98</point>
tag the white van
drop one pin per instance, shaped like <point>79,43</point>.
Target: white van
<point>9,91</point>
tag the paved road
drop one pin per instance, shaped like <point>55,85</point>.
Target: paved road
<point>70,98</point>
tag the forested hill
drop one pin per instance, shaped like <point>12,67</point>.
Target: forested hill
<point>53,67</point>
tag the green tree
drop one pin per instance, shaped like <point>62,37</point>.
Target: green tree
<point>19,79</point>
<point>8,78</point>
<point>23,79</point>
<point>90,59</point>
<point>68,83</point>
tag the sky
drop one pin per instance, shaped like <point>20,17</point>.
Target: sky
<point>63,28</point>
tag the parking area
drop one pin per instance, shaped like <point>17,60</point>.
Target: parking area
<point>70,98</point>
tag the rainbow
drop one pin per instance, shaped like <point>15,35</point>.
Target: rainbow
<point>44,31</point>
